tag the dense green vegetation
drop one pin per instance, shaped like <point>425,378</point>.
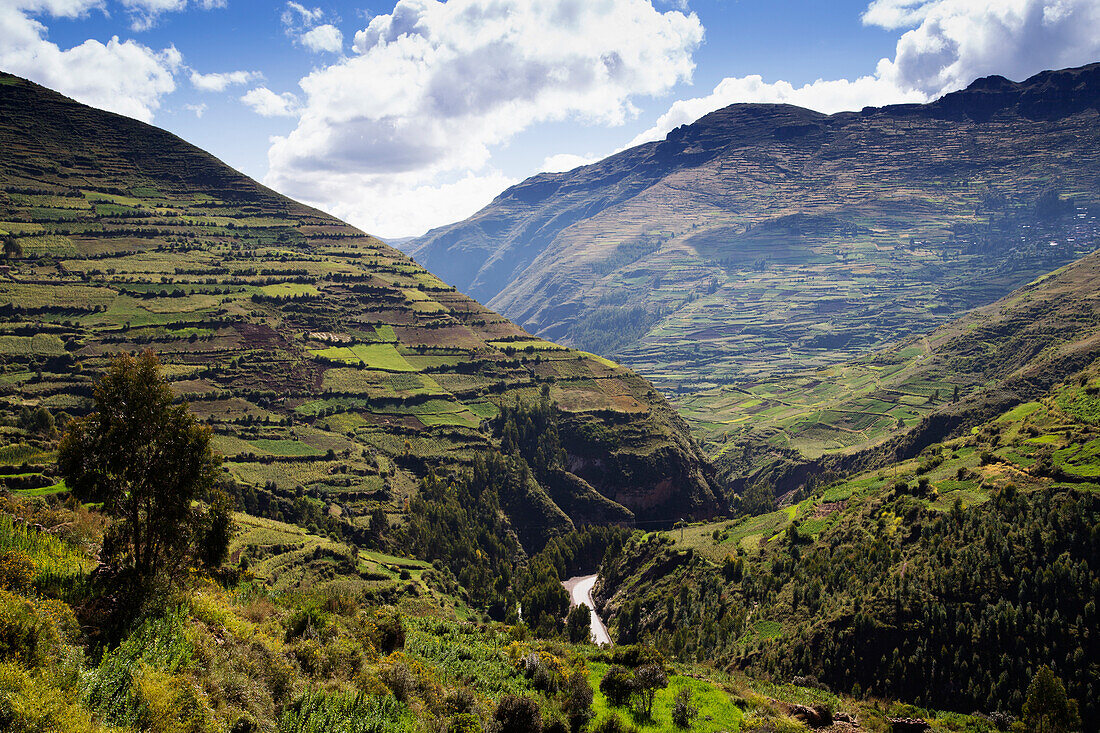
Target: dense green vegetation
<point>948,579</point>
<point>994,358</point>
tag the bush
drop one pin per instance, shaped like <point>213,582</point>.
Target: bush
<point>683,712</point>
<point>25,637</point>
<point>613,724</point>
<point>617,685</point>
<point>400,679</point>
<point>307,622</point>
<point>464,723</point>
<point>577,704</point>
<point>17,571</point>
<point>515,714</point>
<point>28,704</point>
<point>389,634</point>
<point>633,655</point>
<point>648,680</point>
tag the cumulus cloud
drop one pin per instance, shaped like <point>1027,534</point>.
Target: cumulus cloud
<point>822,95</point>
<point>305,26</point>
<point>566,162</point>
<point>406,204</point>
<point>323,38</point>
<point>220,81</point>
<point>433,86</point>
<point>947,44</point>
<point>122,76</point>
<point>956,41</point>
<point>198,109</point>
<point>267,103</point>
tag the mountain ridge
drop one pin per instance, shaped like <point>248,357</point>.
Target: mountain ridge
<point>328,364</point>
<point>764,239</point>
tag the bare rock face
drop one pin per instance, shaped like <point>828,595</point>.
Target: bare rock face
<point>815,717</point>
<point>908,725</point>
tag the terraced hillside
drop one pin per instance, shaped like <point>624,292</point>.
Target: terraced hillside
<point>870,411</point>
<point>764,239</point>
<point>330,366</point>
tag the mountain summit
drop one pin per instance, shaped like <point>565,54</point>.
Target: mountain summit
<point>335,372</point>
<point>764,238</point>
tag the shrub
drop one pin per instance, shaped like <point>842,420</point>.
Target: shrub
<point>389,633</point>
<point>617,685</point>
<point>464,723</point>
<point>28,704</point>
<point>25,637</point>
<point>648,680</point>
<point>683,712</point>
<point>515,714</point>
<point>577,704</point>
<point>168,703</point>
<point>613,724</point>
<point>633,655</point>
<point>401,681</point>
<point>17,571</point>
<point>307,622</point>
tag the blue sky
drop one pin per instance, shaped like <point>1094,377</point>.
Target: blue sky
<point>406,114</point>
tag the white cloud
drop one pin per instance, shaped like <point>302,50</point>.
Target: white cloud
<point>296,14</point>
<point>957,41</point>
<point>433,86</point>
<point>566,162</point>
<point>220,81</point>
<point>949,44</point>
<point>400,205</point>
<point>144,14</point>
<point>122,76</point>
<point>198,109</point>
<point>267,103</point>
<point>323,38</point>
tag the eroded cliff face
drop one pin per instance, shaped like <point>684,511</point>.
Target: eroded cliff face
<point>654,470</point>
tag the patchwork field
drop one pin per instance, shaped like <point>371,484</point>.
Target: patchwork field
<point>329,365</point>
<point>753,253</point>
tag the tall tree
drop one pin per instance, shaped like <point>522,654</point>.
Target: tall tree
<point>149,462</point>
<point>1047,709</point>
<point>578,624</point>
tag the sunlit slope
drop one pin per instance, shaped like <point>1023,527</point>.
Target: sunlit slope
<point>763,239</point>
<point>329,364</point>
<point>900,400</point>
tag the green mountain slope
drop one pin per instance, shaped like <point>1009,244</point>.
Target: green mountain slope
<point>869,412</point>
<point>945,579</point>
<point>941,561</point>
<point>767,238</point>
<point>330,365</point>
